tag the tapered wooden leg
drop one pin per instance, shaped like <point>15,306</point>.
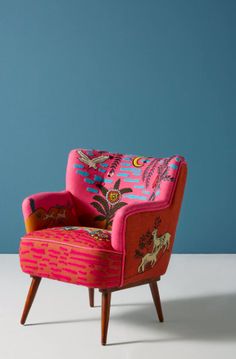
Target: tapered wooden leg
<point>91,297</point>
<point>106,301</point>
<point>156,300</point>
<point>30,298</point>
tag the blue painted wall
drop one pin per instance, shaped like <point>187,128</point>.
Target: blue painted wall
<point>143,77</point>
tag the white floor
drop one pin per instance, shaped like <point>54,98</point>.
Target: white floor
<point>199,302</point>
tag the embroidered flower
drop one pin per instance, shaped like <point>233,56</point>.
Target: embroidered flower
<point>113,196</point>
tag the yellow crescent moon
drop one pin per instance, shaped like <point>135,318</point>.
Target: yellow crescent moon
<point>136,162</point>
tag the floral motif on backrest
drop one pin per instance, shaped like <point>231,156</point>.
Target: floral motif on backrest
<point>103,182</point>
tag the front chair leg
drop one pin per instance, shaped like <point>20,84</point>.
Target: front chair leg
<point>106,302</point>
<point>91,297</point>
<point>156,300</point>
<point>30,298</point>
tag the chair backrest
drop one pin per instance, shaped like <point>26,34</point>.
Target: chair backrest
<point>103,182</point>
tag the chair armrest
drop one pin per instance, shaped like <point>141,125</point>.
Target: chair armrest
<point>145,233</point>
<point>49,209</point>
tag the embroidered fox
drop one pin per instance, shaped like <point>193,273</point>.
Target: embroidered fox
<point>159,243</point>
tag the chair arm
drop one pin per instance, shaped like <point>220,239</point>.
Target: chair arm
<point>145,233</point>
<point>49,209</point>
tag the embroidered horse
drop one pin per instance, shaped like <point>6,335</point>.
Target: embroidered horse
<point>159,243</point>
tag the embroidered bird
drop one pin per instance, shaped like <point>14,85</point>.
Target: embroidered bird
<point>91,162</point>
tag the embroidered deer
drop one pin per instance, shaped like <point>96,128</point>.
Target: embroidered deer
<point>162,242</point>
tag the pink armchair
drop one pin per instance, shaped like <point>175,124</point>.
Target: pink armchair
<point>112,228</point>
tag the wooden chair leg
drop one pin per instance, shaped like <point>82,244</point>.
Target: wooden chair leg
<point>156,300</point>
<point>91,297</point>
<point>30,298</point>
<point>106,302</point>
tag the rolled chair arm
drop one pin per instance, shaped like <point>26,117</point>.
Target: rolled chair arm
<point>49,209</point>
<point>145,233</point>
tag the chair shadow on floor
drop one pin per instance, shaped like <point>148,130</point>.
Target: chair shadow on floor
<point>209,318</point>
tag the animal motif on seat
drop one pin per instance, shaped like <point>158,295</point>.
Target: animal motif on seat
<point>162,242</point>
<point>98,234</point>
<point>95,233</point>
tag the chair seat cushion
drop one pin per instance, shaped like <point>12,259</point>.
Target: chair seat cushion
<point>79,255</point>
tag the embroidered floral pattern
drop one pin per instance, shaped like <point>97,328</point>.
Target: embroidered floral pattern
<point>109,202</point>
<point>116,161</point>
<point>162,175</point>
<point>108,181</point>
<point>113,196</point>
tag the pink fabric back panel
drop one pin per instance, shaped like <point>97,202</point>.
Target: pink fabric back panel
<point>103,182</point>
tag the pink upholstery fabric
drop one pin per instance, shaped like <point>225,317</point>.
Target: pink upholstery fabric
<point>78,255</point>
<point>115,180</point>
<point>45,209</point>
<point>47,200</point>
<point>119,223</point>
<point>145,234</point>
<point>105,193</point>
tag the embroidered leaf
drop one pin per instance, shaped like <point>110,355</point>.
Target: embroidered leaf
<point>32,205</point>
<point>116,207</point>
<point>168,178</point>
<point>103,202</point>
<point>152,197</point>
<point>125,190</point>
<point>157,222</point>
<point>115,163</point>
<point>151,172</point>
<point>117,184</point>
<point>100,218</point>
<point>98,207</point>
<point>145,240</point>
<point>138,254</point>
<point>148,169</point>
<point>109,223</point>
<point>103,189</point>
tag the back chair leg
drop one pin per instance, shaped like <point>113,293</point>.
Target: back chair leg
<point>91,297</point>
<point>30,298</point>
<point>106,302</point>
<point>156,300</point>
